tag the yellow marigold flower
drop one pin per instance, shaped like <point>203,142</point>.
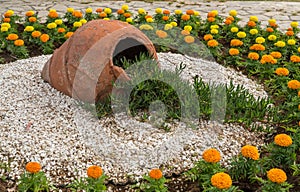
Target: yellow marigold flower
<point>208,37</point>
<point>257,47</point>
<point>107,10</point>
<point>29,28</point>
<point>253,56</point>
<point>129,20</point>
<point>51,26</point>
<point>283,140</point>
<point>52,10</point>
<point>272,37</point>
<point>6,25</point>
<point>29,13</point>
<point>214,27</point>
<point>233,13</point>
<point>294,24</point>
<point>221,180</point>
<point>276,175</point>
<point>253,31</point>
<point>155,174</point>
<point>68,34</point>
<point>212,43</point>
<point>89,10</point>
<point>83,21</point>
<point>149,20</point>
<point>58,21</point>
<point>272,21</point>
<point>174,24</point>
<point>33,167</point>
<point>77,24</point>
<point>19,42</point>
<point>215,12</point>
<point>260,40</point>
<point>233,51</point>
<point>141,11</point>
<point>189,39</point>
<point>161,34</point>
<point>168,27</point>
<point>291,42</point>
<point>234,29</point>
<point>280,44</point>
<point>196,13</point>
<point>70,10</point>
<point>276,54</point>
<point>36,34</point>
<point>188,28</point>
<point>146,27</point>
<point>106,19</point>
<point>295,59</point>
<point>125,7</point>
<point>298,49</point>
<point>250,151</point>
<point>236,43</point>
<point>294,84</point>
<point>94,172</point>
<point>214,31</point>
<point>241,34</point>
<point>211,155</point>
<point>178,12</point>
<point>4,29</point>
<point>44,38</point>
<point>158,10</point>
<point>282,71</point>
<point>9,13</point>
<point>12,37</point>
<point>253,18</point>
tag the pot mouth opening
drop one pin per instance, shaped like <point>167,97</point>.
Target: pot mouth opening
<point>128,51</point>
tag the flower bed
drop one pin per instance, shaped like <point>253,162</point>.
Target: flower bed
<point>268,55</point>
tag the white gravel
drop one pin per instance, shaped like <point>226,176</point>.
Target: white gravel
<point>41,124</point>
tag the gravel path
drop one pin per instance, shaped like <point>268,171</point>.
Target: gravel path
<point>39,123</point>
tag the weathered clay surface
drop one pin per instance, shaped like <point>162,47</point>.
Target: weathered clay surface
<point>83,66</point>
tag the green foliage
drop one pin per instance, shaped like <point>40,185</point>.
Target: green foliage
<point>89,184</point>
<point>6,168</point>
<point>34,182</point>
<point>152,185</point>
<point>231,189</point>
<point>268,186</point>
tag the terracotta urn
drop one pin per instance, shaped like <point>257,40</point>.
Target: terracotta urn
<point>83,66</point>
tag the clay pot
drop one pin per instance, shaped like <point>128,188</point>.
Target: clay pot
<point>83,66</point>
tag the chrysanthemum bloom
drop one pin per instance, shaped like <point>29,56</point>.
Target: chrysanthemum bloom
<point>208,37</point>
<point>291,42</point>
<point>94,172</point>
<point>89,10</point>
<point>33,167</point>
<point>253,56</point>
<point>32,19</point>
<point>29,13</point>
<point>272,37</point>
<point>236,43</point>
<point>77,14</point>
<point>276,54</point>
<point>283,140</point>
<point>51,26</point>
<point>251,23</point>
<point>276,175</point>
<point>12,37</point>
<point>269,29</point>
<point>61,30</point>
<point>99,10</point>
<point>214,31</point>
<point>190,12</point>
<point>233,51</point>
<point>77,24</point>
<point>174,24</point>
<point>70,10</point>
<point>260,40</point>
<point>53,14</point>
<point>165,18</point>
<point>189,39</point>
<point>234,29</point>
<point>19,42</point>
<point>241,34</point>
<point>268,59</point>
<point>211,155</point>
<point>168,27</point>
<point>221,180</point>
<point>250,151</point>
<point>294,24</point>
<point>212,43</point>
<point>294,84</point>
<point>141,11</point>
<point>155,174</point>
<point>289,33</point>
<point>125,7</point>
<point>146,27</point>
<point>281,71</point>
<point>6,19</point>
<point>158,10</point>
<point>8,13</point>
<point>185,17</point>
<point>295,59</point>
<point>253,31</point>
<point>44,38</point>
<point>233,13</point>
<point>253,18</point>
<point>36,34</point>
<point>227,22</point>
<point>102,15</point>
<point>161,34</point>
<point>29,28</point>
<point>178,12</point>
<point>68,34</point>
<point>257,47</point>
<point>107,10</point>
<point>58,21</point>
<point>211,19</point>
<point>188,28</point>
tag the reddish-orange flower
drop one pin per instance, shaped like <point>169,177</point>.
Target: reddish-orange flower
<point>77,14</point>
<point>295,59</point>
<point>211,19</point>
<point>161,34</point>
<point>167,12</point>
<point>127,15</point>
<point>233,51</point>
<point>6,19</point>
<point>212,43</point>
<point>155,174</point>
<point>276,54</point>
<point>185,17</point>
<point>251,24</point>
<point>102,15</point>
<point>94,172</point>
<point>19,42</point>
<point>190,12</point>
<point>236,43</point>
<point>12,37</point>
<point>269,29</point>
<point>228,22</point>
<point>230,18</point>
<point>44,38</point>
<point>258,47</point>
<point>281,71</point>
<point>253,56</point>
<point>165,18</point>
<point>211,14</point>
<point>61,30</point>
<point>289,33</point>
<point>99,10</point>
<point>33,167</point>
<point>189,39</point>
<point>120,11</point>
<point>68,34</point>
<point>208,37</point>
<point>53,14</point>
<point>32,19</point>
<point>36,34</point>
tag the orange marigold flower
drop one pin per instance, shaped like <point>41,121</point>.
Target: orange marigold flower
<point>120,11</point>
<point>211,14</point>
<point>185,17</point>
<point>19,42</point>
<point>276,175</point>
<point>276,54</point>
<point>94,172</point>
<point>268,59</point>
<point>283,140</point>
<point>32,19</point>
<point>294,84</point>
<point>165,18</point>
<point>230,18</point>
<point>36,34</point>
<point>102,15</point>
<point>273,25</point>
<point>236,42</point>
<point>269,29</point>
<point>257,47</point>
<point>299,96</point>
<point>208,37</point>
<point>161,34</point>
<point>281,71</point>
<point>167,12</point>
<point>289,33</point>
<point>99,10</point>
<point>12,37</point>
<point>127,15</point>
<point>44,38</point>
<point>211,19</point>
<point>61,30</point>
<point>253,56</point>
<point>233,51</point>
<point>6,20</point>
<point>33,167</point>
<point>221,180</point>
<point>53,14</point>
<point>148,16</point>
<point>295,59</point>
<point>185,32</point>
<point>211,156</point>
<point>212,43</point>
<point>29,13</point>
<point>250,151</point>
<point>68,34</point>
<point>189,39</point>
<point>228,22</point>
<point>77,14</point>
<point>155,174</point>
<point>251,24</point>
<point>190,12</point>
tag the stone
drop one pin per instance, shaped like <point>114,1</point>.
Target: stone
<point>83,66</point>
